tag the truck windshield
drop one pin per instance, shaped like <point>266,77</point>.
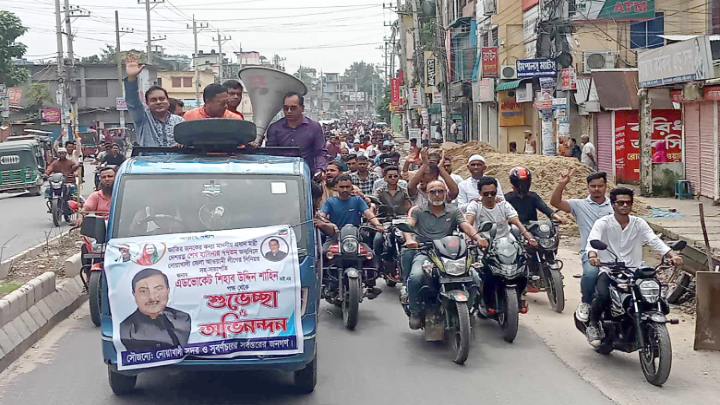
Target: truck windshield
<point>166,204</point>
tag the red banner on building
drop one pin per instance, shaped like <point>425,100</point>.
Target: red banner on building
<point>528,4</point>
<point>711,92</point>
<point>15,95</point>
<point>395,91</point>
<point>667,141</point>
<point>676,96</point>
<point>490,66</point>
<point>51,115</point>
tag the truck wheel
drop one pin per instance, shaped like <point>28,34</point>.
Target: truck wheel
<point>121,384</point>
<point>306,379</point>
<point>94,294</point>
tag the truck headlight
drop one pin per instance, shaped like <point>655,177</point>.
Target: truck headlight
<point>650,290</point>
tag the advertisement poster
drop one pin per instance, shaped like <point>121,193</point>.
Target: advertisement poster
<point>613,10</point>
<point>15,95</point>
<point>489,61</point>
<point>208,295</point>
<point>415,97</point>
<point>50,115</point>
<point>568,79</point>
<point>511,112</point>
<point>667,141</point>
<point>395,91</point>
<point>535,68</point>
<point>548,136</point>
<point>430,72</point>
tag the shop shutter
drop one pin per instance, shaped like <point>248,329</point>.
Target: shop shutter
<point>692,144</point>
<point>707,153</point>
<point>604,139</point>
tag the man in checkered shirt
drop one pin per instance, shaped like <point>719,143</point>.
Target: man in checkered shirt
<point>364,178</point>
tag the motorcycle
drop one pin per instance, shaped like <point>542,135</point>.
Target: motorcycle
<point>445,295</point>
<point>636,317</point>
<point>58,196</point>
<point>544,267</point>
<point>91,259</point>
<point>503,271</point>
<point>349,266</point>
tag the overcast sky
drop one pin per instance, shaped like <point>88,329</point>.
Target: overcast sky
<point>325,34</point>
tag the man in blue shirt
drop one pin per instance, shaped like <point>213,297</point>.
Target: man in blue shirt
<point>344,209</point>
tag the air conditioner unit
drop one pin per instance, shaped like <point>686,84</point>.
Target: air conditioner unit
<point>490,7</point>
<point>508,72</point>
<point>597,60</point>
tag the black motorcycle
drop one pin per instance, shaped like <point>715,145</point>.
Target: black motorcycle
<point>635,319</point>
<point>57,195</point>
<point>543,264</point>
<point>503,271</point>
<point>348,267</point>
<point>446,292</point>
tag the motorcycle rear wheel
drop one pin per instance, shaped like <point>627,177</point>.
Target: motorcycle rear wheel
<point>351,304</point>
<point>554,289</point>
<point>678,287</point>
<point>56,211</point>
<point>94,293</point>
<point>460,339</point>
<point>509,316</point>
<point>656,356</point>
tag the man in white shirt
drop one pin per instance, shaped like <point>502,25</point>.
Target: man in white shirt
<point>489,209</point>
<point>448,166</point>
<point>588,153</point>
<point>468,188</point>
<point>625,236</point>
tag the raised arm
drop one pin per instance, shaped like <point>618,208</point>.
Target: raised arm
<point>557,197</point>
<point>449,182</point>
<point>132,97</point>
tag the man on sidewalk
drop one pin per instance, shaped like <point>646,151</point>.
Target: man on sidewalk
<point>154,124</point>
<point>586,212</point>
<point>588,153</point>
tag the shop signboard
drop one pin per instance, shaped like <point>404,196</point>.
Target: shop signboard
<point>511,112</point>
<point>680,62</point>
<point>613,10</point>
<point>415,96</point>
<point>395,91</point>
<point>51,115</point>
<point>527,68</point>
<point>489,61</point>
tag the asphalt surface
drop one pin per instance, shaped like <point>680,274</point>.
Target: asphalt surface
<point>25,220</point>
<point>381,362</point>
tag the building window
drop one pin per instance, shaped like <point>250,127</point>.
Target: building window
<point>187,81</point>
<point>177,81</point>
<point>159,81</point>
<point>96,88</point>
<point>646,34</point>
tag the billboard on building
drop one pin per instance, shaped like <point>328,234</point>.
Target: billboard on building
<point>530,20</point>
<point>511,112</point>
<point>612,10</point>
<point>680,62</point>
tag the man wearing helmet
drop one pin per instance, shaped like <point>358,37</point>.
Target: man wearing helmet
<point>527,203</point>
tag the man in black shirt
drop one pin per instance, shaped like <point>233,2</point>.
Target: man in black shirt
<point>527,203</point>
<point>114,157</point>
<point>575,149</point>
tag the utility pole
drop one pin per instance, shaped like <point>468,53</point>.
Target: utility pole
<point>70,73</point>
<point>118,60</point>
<point>220,41</point>
<point>356,97</point>
<point>443,57</point>
<point>646,130</point>
<point>60,70</point>
<point>197,27</point>
<point>149,5</point>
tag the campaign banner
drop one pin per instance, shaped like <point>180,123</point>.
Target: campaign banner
<point>207,295</point>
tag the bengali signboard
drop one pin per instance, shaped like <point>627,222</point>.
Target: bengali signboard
<point>210,295</point>
<point>121,104</point>
<point>568,79</point>
<point>666,139</point>
<point>430,72</point>
<point>489,61</point>
<point>612,10</point>
<point>15,95</point>
<point>50,115</point>
<point>395,91</point>
<point>511,112</point>
<point>680,62</point>
<point>535,68</point>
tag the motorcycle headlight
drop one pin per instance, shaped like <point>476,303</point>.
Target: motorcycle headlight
<point>548,243</point>
<point>350,245</point>
<point>56,185</point>
<point>454,267</point>
<point>650,290</point>
<point>507,270</point>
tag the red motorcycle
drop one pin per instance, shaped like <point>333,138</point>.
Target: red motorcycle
<point>91,274</point>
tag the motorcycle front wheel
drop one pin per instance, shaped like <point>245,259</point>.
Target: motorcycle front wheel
<point>460,339</point>
<point>94,293</point>
<point>56,211</point>
<point>656,356</point>
<point>509,316</point>
<point>555,291</point>
<point>351,303</point>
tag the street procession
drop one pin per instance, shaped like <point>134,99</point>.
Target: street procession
<point>497,201</point>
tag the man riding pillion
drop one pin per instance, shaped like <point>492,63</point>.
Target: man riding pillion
<point>432,221</point>
<point>586,212</point>
<point>625,235</point>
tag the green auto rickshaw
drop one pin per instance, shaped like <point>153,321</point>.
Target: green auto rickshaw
<point>20,167</point>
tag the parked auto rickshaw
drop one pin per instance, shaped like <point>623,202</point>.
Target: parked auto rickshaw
<point>22,164</point>
<point>205,189</point>
<point>43,150</point>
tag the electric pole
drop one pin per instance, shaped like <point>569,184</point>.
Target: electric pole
<point>149,5</point>
<point>197,27</point>
<point>118,60</point>
<point>70,73</point>
<point>220,41</point>
<point>60,98</point>
<point>356,96</point>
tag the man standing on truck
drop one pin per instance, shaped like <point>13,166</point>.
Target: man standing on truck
<point>154,124</point>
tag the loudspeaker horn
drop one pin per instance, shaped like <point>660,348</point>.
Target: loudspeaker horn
<point>267,87</point>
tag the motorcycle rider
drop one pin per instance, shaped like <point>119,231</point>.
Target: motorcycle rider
<point>433,220</point>
<point>468,188</point>
<point>98,202</point>
<point>625,235</point>
<point>395,201</point>
<point>63,165</point>
<point>527,203</point>
<point>586,212</point>
<point>114,157</point>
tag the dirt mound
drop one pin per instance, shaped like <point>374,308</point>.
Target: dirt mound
<point>469,149</point>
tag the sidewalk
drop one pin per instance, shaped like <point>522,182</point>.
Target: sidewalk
<point>695,375</point>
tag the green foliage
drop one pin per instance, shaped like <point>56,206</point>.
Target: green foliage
<point>383,108</point>
<point>38,93</point>
<point>366,74</point>
<point>11,29</point>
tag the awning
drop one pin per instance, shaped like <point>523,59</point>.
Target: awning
<point>508,85</point>
<point>617,89</point>
<point>585,93</point>
<point>675,38</point>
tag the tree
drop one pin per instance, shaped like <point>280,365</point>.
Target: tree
<point>366,74</point>
<point>107,55</point>
<point>11,28</point>
<point>37,94</point>
<point>383,107</point>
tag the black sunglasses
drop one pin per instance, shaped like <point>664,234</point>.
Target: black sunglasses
<point>489,193</point>
<point>621,203</point>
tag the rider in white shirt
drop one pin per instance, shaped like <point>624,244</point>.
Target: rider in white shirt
<point>468,188</point>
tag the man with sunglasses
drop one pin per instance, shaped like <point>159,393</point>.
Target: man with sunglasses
<point>433,220</point>
<point>468,188</point>
<point>299,131</point>
<point>625,235</point>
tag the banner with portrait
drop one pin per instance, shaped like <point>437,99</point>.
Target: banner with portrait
<point>204,295</point>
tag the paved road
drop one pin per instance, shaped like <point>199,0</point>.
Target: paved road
<point>381,362</point>
<point>26,221</point>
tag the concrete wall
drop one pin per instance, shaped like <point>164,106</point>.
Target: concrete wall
<point>664,176</point>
